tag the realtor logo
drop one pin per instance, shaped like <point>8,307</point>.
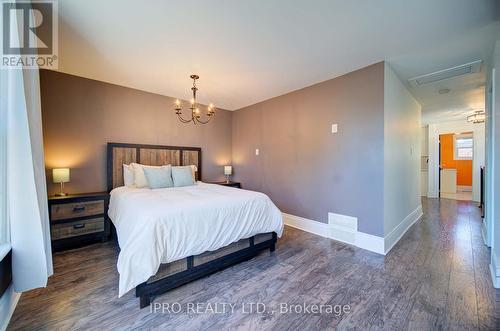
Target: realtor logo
<point>29,37</point>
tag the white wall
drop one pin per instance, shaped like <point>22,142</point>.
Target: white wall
<point>493,171</point>
<point>487,229</point>
<point>402,151</point>
<point>8,302</point>
<point>424,147</point>
<point>437,129</point>
<point>424,139</point>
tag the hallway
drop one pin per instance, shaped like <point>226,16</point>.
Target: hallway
<point>436,278</point>
<point>455,288</point>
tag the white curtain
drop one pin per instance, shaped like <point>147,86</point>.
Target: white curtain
<point>27,209</point>
<point>4,224</point>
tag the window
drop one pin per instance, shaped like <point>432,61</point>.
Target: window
<point>464,146</point>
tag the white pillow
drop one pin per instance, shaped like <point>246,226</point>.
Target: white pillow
<point>128,175</point>
<point>140,179</point>
<point>194,169</point>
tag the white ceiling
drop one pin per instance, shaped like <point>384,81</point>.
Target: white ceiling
<point>249,51</point>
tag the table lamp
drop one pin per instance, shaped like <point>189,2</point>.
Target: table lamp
<point>228,170</point>
<point>60,175</point>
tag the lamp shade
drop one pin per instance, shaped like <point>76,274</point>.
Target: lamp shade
<point>228,170</point>
<point>60,175</point>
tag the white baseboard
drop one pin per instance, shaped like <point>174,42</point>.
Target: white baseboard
<point>445,195</point>
<point>8,303</point>
<point>495,270</point>
<point>338,233</point>
<point>370,242</point>
<point>347,232</point>
<point>393,237</point>
<point>464,188</point>
<point>484,235</point>
<point>304,224</point>
<point>432,194</point>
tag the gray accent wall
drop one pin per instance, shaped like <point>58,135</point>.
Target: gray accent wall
<point>307,170</point>
<point>81,115</point>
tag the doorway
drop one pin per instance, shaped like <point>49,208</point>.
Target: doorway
<point>456,151</point>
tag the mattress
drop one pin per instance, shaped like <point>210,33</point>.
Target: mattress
<point>165,225</point>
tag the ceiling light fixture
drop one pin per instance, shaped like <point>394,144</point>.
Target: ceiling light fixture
<point>444,91</point>
<point>195,110</point>
<point>478,117</point>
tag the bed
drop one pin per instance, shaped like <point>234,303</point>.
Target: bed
<point>171,236</point>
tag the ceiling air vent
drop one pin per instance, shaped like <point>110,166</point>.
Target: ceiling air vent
<point>458,71</point>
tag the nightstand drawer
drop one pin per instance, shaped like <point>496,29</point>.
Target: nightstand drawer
<point>76,209</point>
<point>77,228</point>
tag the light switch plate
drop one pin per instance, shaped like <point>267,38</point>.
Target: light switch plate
<point>256,151</point>
<point>334,128</point>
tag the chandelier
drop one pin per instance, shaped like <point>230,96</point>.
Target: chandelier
<point>478,117</point>
<point>195,109</point>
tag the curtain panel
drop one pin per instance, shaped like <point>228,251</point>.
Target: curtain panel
<point>26,192</point>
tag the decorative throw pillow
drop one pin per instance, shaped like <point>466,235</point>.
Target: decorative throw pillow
<point>140,179</point>
<point>159,177</point>
<point>182,176</point>
<point>128,175</point>
<point>194,169</point>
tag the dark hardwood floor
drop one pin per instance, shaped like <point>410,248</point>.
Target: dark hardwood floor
<point>437,277</point>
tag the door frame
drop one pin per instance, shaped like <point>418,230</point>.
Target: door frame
<point>435,130</point>
<point>489,213</point>
<point>439,169</point>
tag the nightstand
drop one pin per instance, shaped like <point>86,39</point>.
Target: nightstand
<point>230,184</point>
<point>78,219</point>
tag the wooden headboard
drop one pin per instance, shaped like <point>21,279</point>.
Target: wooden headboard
<point>120,154</point>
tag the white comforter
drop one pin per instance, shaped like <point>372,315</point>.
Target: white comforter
<point>165,225</point>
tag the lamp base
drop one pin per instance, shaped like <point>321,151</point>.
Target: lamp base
<point>61,191</point>
<point>227,179</point>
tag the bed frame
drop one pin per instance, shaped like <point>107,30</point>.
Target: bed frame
<point>177,273</point>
